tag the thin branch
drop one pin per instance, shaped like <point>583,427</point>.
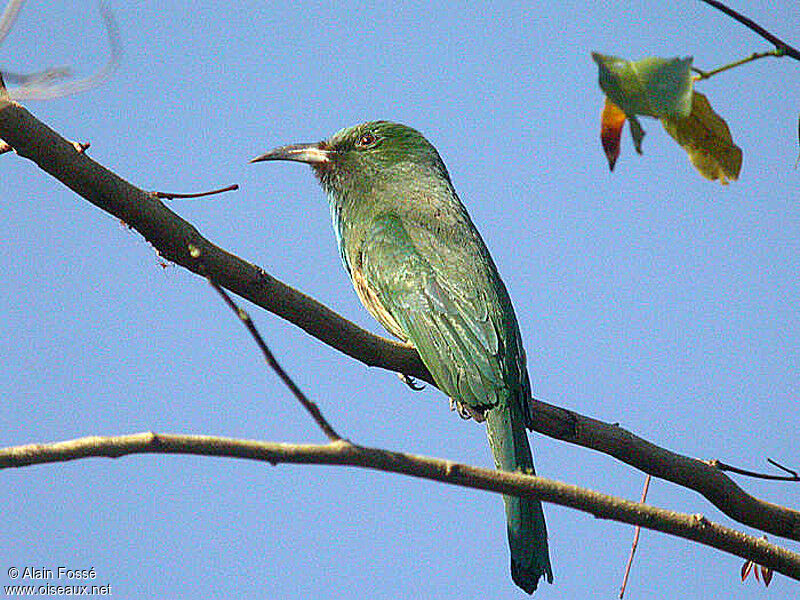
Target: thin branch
<point>692,527</point>
<point>634,544</point>
<point>46,91</point>
<point>754,56</point>
<point>782,468</point>
<point>753,26</point>
<point>307,404</point>
<point>793,475</point>
<point>173,195</point>
<point>171,236</point>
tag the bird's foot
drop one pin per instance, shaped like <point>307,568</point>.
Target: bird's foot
<point>411,382</point>
<point>466,412</point>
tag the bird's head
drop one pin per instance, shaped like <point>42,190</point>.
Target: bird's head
<point>367,156</point>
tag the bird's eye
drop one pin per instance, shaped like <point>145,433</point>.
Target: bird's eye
<point>366,140</point>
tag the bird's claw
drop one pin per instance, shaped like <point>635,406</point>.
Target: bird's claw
<point>462,410</point>
<point>467,412</point>
<point>411,382</point>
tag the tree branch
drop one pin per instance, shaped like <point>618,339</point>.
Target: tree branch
<point>793,475</point>
<point>755,27</point>
<point>176,195</point>
<point>692,527</point>
<point>703,75</point>
<point>171,236</point>
<point>634,544</point>
<point>311,408</point>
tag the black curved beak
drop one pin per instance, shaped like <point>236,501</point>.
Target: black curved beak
<point>312,154</point>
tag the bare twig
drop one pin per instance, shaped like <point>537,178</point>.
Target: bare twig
<point>701,75</point>
<point>693,527</point>
<point>172,195</point>
<point>310,406</point>
<point>43,89</point>
<point>634,544</point>
<point>791,472</point>
<point>171,235</point>
<point>793,475</point>
<point>753,26</point>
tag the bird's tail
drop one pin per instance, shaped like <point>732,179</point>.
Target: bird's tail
<point>527,533</point>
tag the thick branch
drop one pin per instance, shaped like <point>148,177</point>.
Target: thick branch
<point>692,527</point>
<point>171,236</point>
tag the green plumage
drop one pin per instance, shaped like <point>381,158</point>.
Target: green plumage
<point>421,268</point>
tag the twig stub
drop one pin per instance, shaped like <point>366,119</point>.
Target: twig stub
<point>172,195</point>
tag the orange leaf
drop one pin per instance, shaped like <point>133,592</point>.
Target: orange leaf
<point>611,122</point>
<point>766,574</point>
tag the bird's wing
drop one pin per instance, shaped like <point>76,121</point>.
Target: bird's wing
<point>446,308</point>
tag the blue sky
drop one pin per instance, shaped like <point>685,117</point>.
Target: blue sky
<point>648,297</point>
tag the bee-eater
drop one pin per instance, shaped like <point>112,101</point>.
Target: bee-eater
<point>420,267</point>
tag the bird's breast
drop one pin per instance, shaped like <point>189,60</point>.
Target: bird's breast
<point>372,302</point>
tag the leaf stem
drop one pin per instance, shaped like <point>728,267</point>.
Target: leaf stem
<point>701,75</point>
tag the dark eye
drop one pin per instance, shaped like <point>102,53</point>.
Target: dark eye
<point>366,140</point>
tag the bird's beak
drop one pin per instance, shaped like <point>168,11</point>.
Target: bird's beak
<point>313,154</point>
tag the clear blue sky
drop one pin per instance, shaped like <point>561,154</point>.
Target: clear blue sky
<point>648,297</point>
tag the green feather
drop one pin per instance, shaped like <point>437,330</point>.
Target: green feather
<point>462,352</point>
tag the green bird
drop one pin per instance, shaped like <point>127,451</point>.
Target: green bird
<point>420,267</point>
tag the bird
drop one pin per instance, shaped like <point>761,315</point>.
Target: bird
<point>422,270</point>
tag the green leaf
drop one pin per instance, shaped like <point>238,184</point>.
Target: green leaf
<point>655,87</point>
<point>637,133</point>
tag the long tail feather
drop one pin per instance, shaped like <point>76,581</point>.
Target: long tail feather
<point>527,532</point>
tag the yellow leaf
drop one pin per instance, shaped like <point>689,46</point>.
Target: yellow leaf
<point>707,140</point>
